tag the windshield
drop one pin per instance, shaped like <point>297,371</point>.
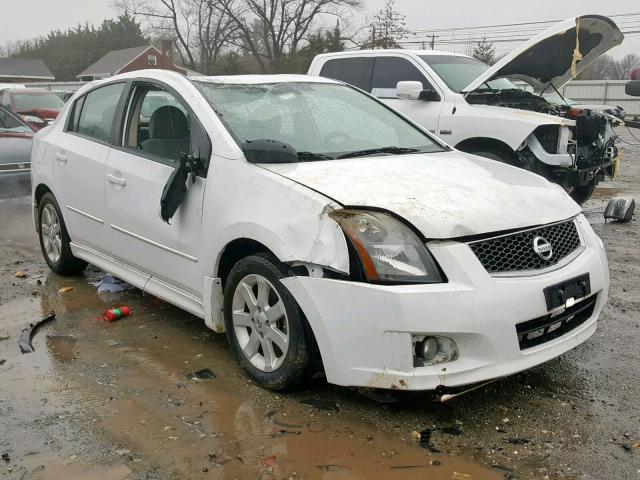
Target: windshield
<point>323,121</point>
<point>458,72</point>
<point>33,101</point>
<point>9,123</point>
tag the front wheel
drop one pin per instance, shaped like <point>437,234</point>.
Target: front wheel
<point>54,238</point>
<point>265,326</point>
<point>582,193</point>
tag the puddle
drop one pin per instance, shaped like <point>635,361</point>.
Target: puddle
<point>61,347</point>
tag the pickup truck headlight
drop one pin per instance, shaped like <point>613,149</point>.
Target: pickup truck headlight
<point>388,249</point>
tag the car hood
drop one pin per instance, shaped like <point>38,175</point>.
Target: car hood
<point>556,55</point>
<point>444,195</point>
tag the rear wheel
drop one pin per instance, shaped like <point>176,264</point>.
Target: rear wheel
<point>54,239</point>
<point>265,326</point>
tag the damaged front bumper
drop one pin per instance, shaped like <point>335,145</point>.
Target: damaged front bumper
<point>366,332</point>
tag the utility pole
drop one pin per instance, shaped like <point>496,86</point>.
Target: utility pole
<point>433,41</point>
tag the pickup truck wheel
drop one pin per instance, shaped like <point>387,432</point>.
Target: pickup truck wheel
<point>54,239</point>
<point>582,193</point>
<point>496,154</point>
<point>265,326</point>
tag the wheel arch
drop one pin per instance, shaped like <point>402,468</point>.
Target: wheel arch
<point>470,145</point>
<point>236,250</point>
<point>38,193</point>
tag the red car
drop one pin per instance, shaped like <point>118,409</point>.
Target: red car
<point>36,106</point>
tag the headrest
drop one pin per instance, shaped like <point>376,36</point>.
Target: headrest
<point>168,122</point>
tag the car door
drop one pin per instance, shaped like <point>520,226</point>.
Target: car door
<point>157,129</point>
<point>79,156</point>
<point>387,72</point>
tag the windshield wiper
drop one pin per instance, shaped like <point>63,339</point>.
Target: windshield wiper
<point>374,151</point>
<point>310,156</point>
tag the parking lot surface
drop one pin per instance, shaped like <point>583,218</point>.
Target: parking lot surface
<point>133,399</point>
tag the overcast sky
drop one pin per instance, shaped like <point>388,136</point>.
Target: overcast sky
<point>19,22</point>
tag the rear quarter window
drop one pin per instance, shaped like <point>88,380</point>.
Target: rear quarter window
<point>98,108</point>
<point>354,71</point>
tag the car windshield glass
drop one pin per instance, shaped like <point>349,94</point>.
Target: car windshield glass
<point>320,121</point>
<point>32,101</point>
<point>458,72</point>
<point>9,123</point>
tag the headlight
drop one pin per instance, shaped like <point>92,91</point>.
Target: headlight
<point>32,119</point>
<point>388,249</point>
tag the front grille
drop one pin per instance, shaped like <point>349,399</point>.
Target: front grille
<point>544,329</point>
<point>515,252</point>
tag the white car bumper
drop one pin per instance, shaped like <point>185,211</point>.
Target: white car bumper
<point>365,331</point>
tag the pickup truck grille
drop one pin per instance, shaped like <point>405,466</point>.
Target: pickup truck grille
<point>515,252</point>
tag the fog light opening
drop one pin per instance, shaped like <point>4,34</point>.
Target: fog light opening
<point>431,350</point>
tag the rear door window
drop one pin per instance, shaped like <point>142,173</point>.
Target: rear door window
<point>354,71</point>
<point>388,71</point>
<point>98,111</point>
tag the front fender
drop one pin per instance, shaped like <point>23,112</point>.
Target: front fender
<point>291,220</point>
<point>507,125</point>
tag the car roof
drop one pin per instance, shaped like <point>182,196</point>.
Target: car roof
<point>355,53</point>
<point>27,90</point>
<point>262,79</point>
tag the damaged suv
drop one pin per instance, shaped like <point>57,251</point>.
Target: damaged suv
<point>319,228</point>
<point>479,110</point>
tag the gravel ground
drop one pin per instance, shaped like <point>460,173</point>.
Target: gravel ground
<point>115,401</point>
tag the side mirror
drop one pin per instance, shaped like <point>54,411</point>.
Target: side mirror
<point>416,91</point>
<point>633,88</point>
<point>429,95</point>
<point>409,90</point>
<point>175,190</point>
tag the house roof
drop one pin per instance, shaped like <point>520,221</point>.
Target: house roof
<point>25,68</point>
<point>115,60</point>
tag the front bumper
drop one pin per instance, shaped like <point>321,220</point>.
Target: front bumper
<point>365,331</point>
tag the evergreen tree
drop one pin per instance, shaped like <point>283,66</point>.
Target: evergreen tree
<point>69,53</point>
<point>484,51</point>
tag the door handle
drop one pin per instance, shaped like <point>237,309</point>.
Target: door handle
<point>116,180</point>
<point>61,157</point>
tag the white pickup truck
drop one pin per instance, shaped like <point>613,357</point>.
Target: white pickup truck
<point>479,110</point>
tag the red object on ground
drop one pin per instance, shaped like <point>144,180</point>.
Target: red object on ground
<point>114,314</point>
<point>635,74</point>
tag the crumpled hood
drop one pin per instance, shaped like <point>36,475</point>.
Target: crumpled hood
<point>444,195</point>
<point>556,55</point>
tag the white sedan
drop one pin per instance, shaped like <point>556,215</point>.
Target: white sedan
<point>311,222</point>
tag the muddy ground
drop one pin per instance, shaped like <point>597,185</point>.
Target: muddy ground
<point>118,400</point>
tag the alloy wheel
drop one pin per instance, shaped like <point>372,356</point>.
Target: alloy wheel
<point>260,323</point>
<point>51,233</point>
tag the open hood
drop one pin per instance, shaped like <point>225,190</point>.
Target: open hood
<point>444,195</point>
<point>556,55</point>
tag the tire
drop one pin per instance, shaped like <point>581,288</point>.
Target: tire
<point>54,238</point>
<point>582,193</point>
<point>251,330</point>
<point>497,155</point>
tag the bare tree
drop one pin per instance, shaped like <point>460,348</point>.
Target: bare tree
<point>387,28</point>
<point>271,29</point>
<point>622,68</point>
<point>199,29</point>
<point>608,68</point>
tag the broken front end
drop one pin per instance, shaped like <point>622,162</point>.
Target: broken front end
<point>578,155</point>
